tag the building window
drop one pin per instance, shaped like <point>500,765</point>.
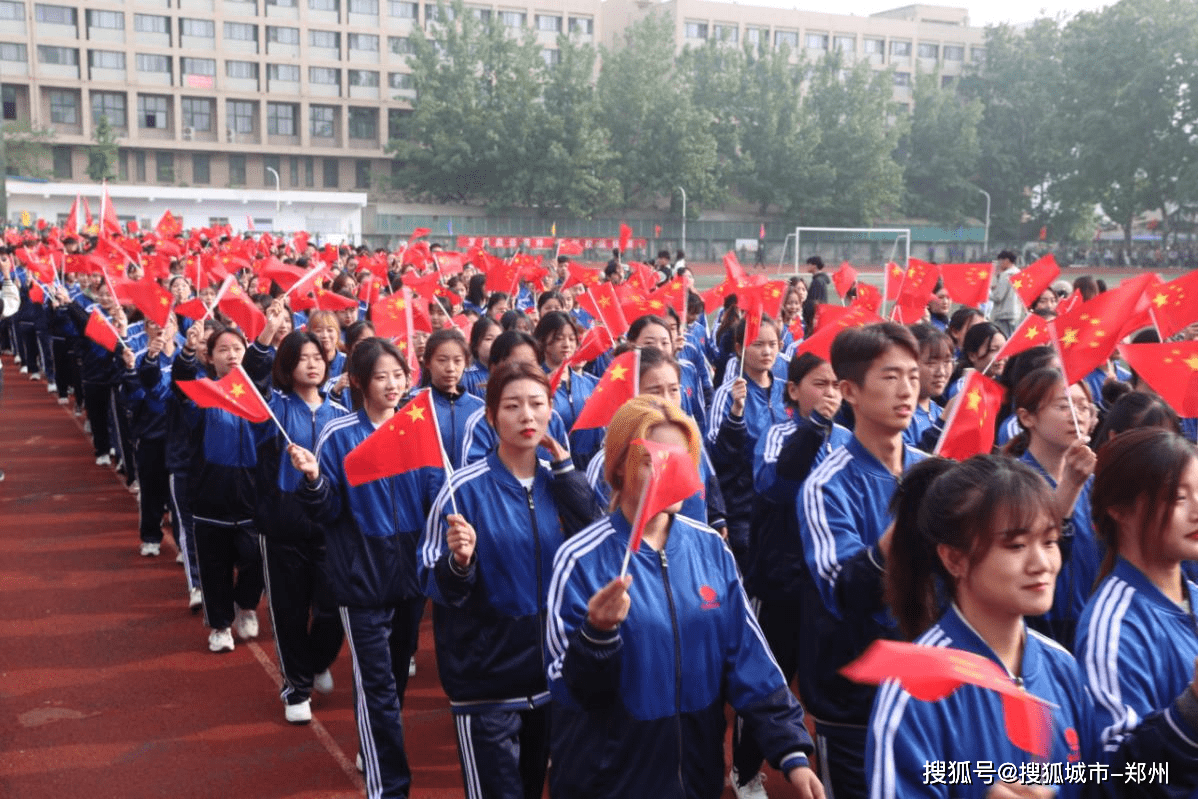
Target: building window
<point>246,70</point>
<point>928,50</point>
<point>62,56</point>
<point>361,174</point>
<point>151,110</point>
<point>816,41</point>
<point>364,7</point>
<point>64,107</point>
<point>366,42</point>
<point>326,76</point>
<point>331,173</point>
<point>400,80</point>
<point>270,162</point>
<point>280,119</point>
<point>329,40</point>
<point>236,170</point>
<point>165,167</point>
<point>148,62</point>
<point>295,162</point>
<point>947,81</point>
<point>322,121</point>
<point>11,10</point>
<point>788,38</point>
<point>723,32</point>
<point>844,44</point>
<point>549,23</point>
<point>363,77</point>
<point>105,59</point>
<point>400,45</point>
<point>757,36</point>
<point>113,20</point>
<point>241,116</point>
<point>55,15</point>
<point>197,66</point>
<point>954,52</point>
<point>513,19</point>
<point>279,35</point>
<point>695,30</point>
<point>551,56</point>
<point>200,28</point>
<point>402,10</point>
<point>148,23</point>
<point>323,5</point>
<point>902,79</point>
<point>395,117</point>
<point>241,32</point>
<point>434,13</point>
<point>62,162</point>
<point>111,105</point>
<point>583,25</point>
<point>8,99</point>
<point>281,3</point>
<point>283,72</point>
<point>197,113</point>
<point>900,49</point>
<point>977,54</point>
<point>13,52</point>
<point>483,14</point>
<point>201,168</point>
<point>139,166</point>
<point>363,123</point>
<point>309,172</point>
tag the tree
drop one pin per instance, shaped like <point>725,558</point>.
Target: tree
<point>939,153</point>
<point>102,158</point>
<point>1129,77</point>
<point>852,108</point>
<point>27,149</point>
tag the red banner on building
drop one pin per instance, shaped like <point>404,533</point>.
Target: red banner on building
<point>544,243</point>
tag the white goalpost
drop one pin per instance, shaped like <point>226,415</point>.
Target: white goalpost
<point>856,245</point>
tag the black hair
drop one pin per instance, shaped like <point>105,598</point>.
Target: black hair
<point>507,342</point>
<point>856,348</point>
<point>361,363</point>
<point>547,296</point>
<point>1133,410</point>
<point>287,357</point>
<point>551,325</point>
<point>799,367</point>
<point>478,332</point>
<point>641,322</point>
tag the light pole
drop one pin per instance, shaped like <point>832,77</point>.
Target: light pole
<point>986,239</point>
<point>278,187</point>
<point>683,245</point>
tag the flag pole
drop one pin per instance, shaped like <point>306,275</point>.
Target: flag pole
<point>1056,345</point>
<point>266,404</point>
<point>216,300</point>
<point>636,522</point>
<point>453,500</point>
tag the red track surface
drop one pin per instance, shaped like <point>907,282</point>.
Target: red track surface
<point>107,688</point>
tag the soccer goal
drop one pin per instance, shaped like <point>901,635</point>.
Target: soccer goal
<point>857,245</point>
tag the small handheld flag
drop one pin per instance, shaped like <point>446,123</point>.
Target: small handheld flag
<point>674,477</point>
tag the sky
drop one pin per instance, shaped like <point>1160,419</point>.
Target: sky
<point>981,13</point>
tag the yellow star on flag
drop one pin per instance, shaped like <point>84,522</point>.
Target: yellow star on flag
<point>1070,337</point>
<point>618,372</point>
<point>604,302</point>
<point>896,271</point>
<point>1032,332</point>
<point>973,400</point>
<point>238,390</point>
<point>1160,299</point>
<point>416,413</point>
<point>1017,282</point>
<point>1192,362</point>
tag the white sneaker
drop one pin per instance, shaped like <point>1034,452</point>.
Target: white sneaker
<point>35,375</point>
<point>179,556</point>
<point>24,369</point>
<point>246,624</point>
<point>220,640</point>
<point>753,789</point>
<point>104,460</point>
<point>63,400</point>
<point>195,600</point>
<point>51,388</point>
<point>358,763</point>
<point>323,682</point>
<point>298,714</point>
<point>150,550</point>
<point>412,667</point>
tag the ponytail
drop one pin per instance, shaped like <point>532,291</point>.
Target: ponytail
<point>910,587</point>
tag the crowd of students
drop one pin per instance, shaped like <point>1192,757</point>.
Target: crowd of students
<point>823,527</point>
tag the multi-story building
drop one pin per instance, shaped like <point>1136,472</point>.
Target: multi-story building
<point>304,94</point>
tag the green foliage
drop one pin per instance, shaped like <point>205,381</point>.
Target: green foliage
<point>939,153</point>
<point>26,149</point>
<point>102,158</point>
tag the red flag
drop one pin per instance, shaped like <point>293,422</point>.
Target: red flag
<point>643,276</point>
<point>844,278</point>
<point>449,263</point>
<point>713,298</point>
<point>968,284</point>
<point>284,275</point>
<point>168,225</point>
<point>918,283</point>
<point>390,317</point>
<point>1030,283</point>
<point>602,303</point>
<point>617,386</point>
<point>242,310</point>
<point>581,276</point>
<point>150,298</point>
<point>910,311</point>
<point>734,273</point>
<point>131,227</point>
<point>1087,335</point>
<point>595,342</point>
<point>1033,331</point>
<point>674,477</point>
<point>820,343</point>
<point>868,297</point>
<point>332,301</point>
<point>1171,369</point>
<point>893,283</point>
<point>101,331</point>
<point>826,313</point>
<point>425,286</point>
<point>930,673</point>
<point>625,236</point>
<point>502,276</point>
<point>1174,305</point>
<point>234,393</point>
<point>72,223</point>
<point>418,233</point>
<point>969,430</point>
<point>751,300</point>
<point>194,309</point>
<point>408,440</point>
<point>109,224</point>
<point>1069,303</point>
<point>569,247</point>
<point>673,294</point>
<point>88,222</point>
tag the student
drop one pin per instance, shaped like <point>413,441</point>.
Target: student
<point>222,493</point>
<point>497,305</point>
<point>935,367</point>
<point>485,560</point>
<point>1138,636</point>
<point>307,629</point>
<point>843,515</point>
<point>1006,306</point>
<point>557,334</point>
<point>482,335</point>
<point>982,537</point>
<point>662,332</point>
<point>446,356</point>
<point>1051,445</point>
<point>742,411</point>
<point>622,726</point>
<point>327,329</point>
<point>978,348</point>
<point>371,531</point>
<point>939,307</point>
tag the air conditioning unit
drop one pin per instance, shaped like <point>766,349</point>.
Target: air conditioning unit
<point>188,133</point>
